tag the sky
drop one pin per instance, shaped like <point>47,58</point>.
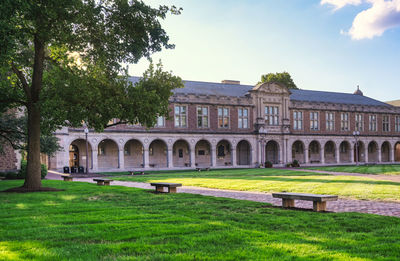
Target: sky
<point>327,45</point>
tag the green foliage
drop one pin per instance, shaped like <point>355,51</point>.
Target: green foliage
<point>283,77</point>
<point>268,164</point>
<point>22,171</point>
<point>386,169</point>
<point>295,164</point>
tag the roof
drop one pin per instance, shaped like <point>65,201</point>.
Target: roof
<point>239,90</point>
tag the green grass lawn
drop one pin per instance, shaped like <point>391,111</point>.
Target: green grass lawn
<point>364,169</point>
<point>88,222</point>
<point>277,180</point>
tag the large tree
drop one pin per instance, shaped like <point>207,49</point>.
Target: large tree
<point>61,60</point>
<point>283,77</point>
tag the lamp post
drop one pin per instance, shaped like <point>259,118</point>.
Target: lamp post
<point>356,134</point>
<point>86,130</point>
<point>263,134</point>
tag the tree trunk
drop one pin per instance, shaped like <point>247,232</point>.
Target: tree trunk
<point>33,178</point>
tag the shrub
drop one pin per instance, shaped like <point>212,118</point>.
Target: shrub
<point>295,164</point>
<point>268,164</point>
<point>288,165</point>
<point>12,175</point>
<point>22,171</point>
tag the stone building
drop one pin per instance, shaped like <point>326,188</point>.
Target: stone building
<point>229,125</point>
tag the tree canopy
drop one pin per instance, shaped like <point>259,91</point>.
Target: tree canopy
<point>283,77</point>
<point>61,60</point>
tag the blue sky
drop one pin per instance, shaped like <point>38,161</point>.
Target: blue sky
<point>324,45</point>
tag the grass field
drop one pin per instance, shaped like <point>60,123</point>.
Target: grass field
<point>277,180</point>
<point>364,169</point>
<point>88,222</point>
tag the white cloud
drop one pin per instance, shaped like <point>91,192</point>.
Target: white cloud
<point>374,21</point>
<point>337,4</point>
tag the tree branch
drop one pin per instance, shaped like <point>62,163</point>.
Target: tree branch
<point>22,79</point>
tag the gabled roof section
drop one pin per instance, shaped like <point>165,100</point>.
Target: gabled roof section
<point>209,88</point>
<point>334,97</point>
<point>238,90</point>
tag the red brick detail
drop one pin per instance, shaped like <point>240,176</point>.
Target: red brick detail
<point>8,159</point>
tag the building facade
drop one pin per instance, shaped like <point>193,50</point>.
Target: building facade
<point>229,125</point>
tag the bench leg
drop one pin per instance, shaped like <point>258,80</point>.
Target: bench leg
<point>100,183</point>
<point>319,206</point>
<point>106,183</point>
<point>159,189</point>
<point>287,203</point>
<point>171,190</point>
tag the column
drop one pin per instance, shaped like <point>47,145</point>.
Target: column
<point>352,154</point>
<point>193,157</point>
<point>392,152</point>
<point>337,154</point>
<point>170,160</point>
<point>146,158</point>
<point>95,159</point>
<point>213,154</point>
<point>121,159</point>
<point>289,153</point>
<point>322,155</point>
<point>233,153</point>
<point>307,160</point>
<point>366,153</point>
<point>379,155</point>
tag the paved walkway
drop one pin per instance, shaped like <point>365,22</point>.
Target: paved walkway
<point>342,205</point>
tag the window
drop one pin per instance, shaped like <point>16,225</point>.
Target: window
<point>397,123</point>
<point>272,115</point>
<point>314,120</point>
<point>127,150</point>
<point>180,116</point>
<point>160,121</point>
<point>102,150</point>
<point>180,153</point>
<point>344,121</point>
<point>243,118</point>
<point>297,120</point>
<point>385,123</point>
<point>359,122</point>
<point>330,121</point>
<point>202,117</point>
<point>223,117</point>
<point>372,123</point>
<point>201,152</point>
<point>221,151</point>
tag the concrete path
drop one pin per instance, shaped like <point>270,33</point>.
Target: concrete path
<point>342,205</point>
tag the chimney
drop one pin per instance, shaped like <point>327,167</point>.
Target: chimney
<point>231,82</point>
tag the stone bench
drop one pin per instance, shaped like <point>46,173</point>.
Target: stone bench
<point>67,178</point>
<point>319,201</point>
<point>161,185</point>
<point>101,182</point>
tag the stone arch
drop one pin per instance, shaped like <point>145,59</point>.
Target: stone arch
<point>298,151</point>
<point>224,153</point>
<point>133,154</point>
<point>181,153</point>
<point>397,152</point>
<point>243,153</point>
<point>158,154</point>
<point>385,151</point>
<point>330,152</point>
<point>373,152</point>
<point>314,152</point>
<point>108,154</point>
<point>272,152</point>
<point>359,152</point>
<point>203,153</point>
<point>344,152</point>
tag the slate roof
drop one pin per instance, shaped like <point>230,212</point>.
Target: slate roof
<point>235,90</point>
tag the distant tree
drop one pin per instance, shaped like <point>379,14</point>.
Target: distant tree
<point>283,78</point>
<point>61,60</point>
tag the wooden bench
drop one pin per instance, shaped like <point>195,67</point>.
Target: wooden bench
<point>67,178</point>
<point>171,186</point>
<point>101,182</point>
<point>203,169</point>
<point>319,201</point>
